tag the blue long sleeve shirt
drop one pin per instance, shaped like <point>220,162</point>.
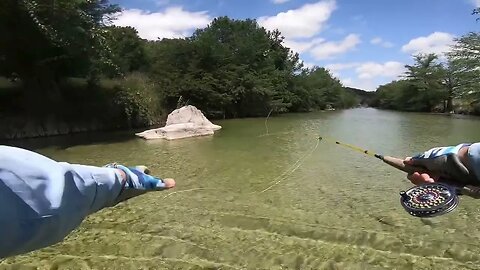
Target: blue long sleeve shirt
<point>42,201</point>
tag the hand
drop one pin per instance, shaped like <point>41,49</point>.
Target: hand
<point>418,178</point>
<point>441,164</point>
<point>137,181</point>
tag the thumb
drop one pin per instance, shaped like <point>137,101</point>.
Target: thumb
<point>408,161</point>
<point>412,161</point>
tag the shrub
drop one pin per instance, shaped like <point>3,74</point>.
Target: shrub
<point>136,100</point>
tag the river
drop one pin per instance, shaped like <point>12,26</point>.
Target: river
<point>267,195</point>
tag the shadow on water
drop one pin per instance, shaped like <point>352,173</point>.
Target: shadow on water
<point>63,142</point>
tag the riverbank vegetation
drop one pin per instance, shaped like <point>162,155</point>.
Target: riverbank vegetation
<point>434,83</point>
<point>64,68</point>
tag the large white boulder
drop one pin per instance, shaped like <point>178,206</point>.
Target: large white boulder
<point>185,122</point>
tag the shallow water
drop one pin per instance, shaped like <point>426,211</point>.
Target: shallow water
<point>339,210</point>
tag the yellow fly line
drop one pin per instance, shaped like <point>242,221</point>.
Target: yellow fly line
<point>353,147</point>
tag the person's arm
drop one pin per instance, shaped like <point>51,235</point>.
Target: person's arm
<point>42,201</point>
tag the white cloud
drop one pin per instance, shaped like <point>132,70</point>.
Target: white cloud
<point>376,40</point>
<point>331,49</point>
<point>173,22</point>
<point>301,46</point>
<point>304,22</point>
<point>475,3</point>
<point>279,1</point>
<point>371,70</point>
<point>342,66</point>
<point>437,42</point>
<point>309,65</point>
<point>337,67</point>
<point>347,81</point>
<point>367,75</point>
<point>363,84</point>
<point>301,27</point>
<point>379,41</point>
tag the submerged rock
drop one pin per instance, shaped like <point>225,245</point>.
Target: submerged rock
<point>185,122</point>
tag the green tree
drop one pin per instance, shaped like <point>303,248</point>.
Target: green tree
<point>315,88</point>
<point>451,83</point>
<point>398,95</point>
<point>427,75</point>
<point>127,49</point>
<point>464,61</point>
<point>44,41</point>
<point>171,67</point>
<point>232,68</point>
<point>250,64</point>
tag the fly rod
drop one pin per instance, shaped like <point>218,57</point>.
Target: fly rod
<point>426,200</point>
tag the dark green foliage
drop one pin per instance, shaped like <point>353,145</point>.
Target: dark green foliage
<point>464,61</point>
<point>426,79</point>
<point>235,68</point>
<point>127,49</point>
<point>399,95</point>
<point>364,98</point>
<point>430,85</point>
<point>64,37</point>
<point>136,99</point>
<point>316,89</point>
<point>60,59</point>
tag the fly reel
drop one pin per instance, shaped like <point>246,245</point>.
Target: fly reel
<point>429,200</point>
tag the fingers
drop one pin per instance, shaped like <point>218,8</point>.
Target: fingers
<point>165,183</point>
<point>169,182</point>
<point>418,179</point>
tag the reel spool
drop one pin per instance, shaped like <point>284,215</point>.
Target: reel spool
<point>429,200</point>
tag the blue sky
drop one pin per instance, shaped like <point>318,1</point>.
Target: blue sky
<point>364,43</point>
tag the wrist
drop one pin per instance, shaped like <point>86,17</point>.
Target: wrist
<point>473,160</point>
<point>126,193</point>
<point>123,177</point>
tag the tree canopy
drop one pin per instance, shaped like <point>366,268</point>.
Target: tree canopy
<point>434,83</point>
<point>231,68</point>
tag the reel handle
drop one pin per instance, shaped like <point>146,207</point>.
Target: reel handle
<point>468,190</point>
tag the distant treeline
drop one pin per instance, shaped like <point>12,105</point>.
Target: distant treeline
<point>442,84</point>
